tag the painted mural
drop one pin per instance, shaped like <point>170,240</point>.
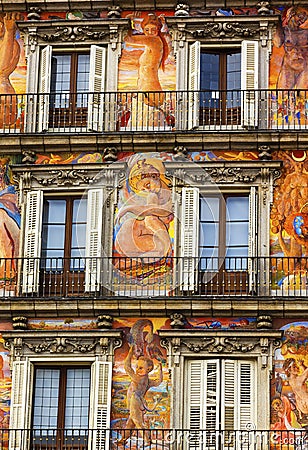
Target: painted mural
<point>5,385</point>
<point>144,224</point>
<point>12,71</point>
<point>9,226</point>
<point>147,64</point>
<point>289,68</point>
<point>289,224</point>
<point>289,404</point>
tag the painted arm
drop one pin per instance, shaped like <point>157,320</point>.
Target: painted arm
<point>9,49</point>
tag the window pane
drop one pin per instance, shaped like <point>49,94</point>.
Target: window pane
<point>234,71</point>
<point>54,211</point>
<point>46,396</point>
<point>237,234</point>
<point>209,209</point>
<point>77,399</point>
<point>80,210</point>
<point>237,208</point>
<point>209,71</point>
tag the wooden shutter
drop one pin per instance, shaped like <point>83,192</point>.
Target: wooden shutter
<point>228,394</point>
<point>194,85</point>
<point>189,238</point>
<point>246,396</point>
<point>249,83</point>
<point>93,264</point>
<point>253,239</point>
<point>32,242</point>
<point>101,379</point>
<point>21,399</point>
<point>96,88</point>
<point>44,90</point>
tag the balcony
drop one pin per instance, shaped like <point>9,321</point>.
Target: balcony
<point>173,439</point>
<point>167,277</point>
<point>170,111</point>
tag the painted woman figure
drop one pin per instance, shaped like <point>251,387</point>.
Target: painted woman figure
<point>9,57</point>
<point>149,109</point>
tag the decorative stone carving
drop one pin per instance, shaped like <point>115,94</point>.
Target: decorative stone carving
<point>264,322</point>
<point>29,157</point>
<point>62,345</point>
<point>34,13</point>
<point>181,9</point>
<point>73,34</point>
<point>223,30</point>
<point>264,8</point>
<point>110,154</point>
<point>104,321</point>
<point>114,12</point>
<point>220,345</point>
<point>71,177</point>
<point>265,153</point>
<point>20,323</point>
<point>177,320</point>
<point>180,152</point>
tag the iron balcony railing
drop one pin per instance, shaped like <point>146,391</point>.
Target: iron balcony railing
<point>101,112</point>
<point>154,277</point>
<point>152,439</point>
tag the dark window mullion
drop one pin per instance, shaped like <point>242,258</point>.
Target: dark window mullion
<point>62,399</point>
<point>68,233</point>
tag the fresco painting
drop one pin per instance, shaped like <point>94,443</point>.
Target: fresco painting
<point>12,71</point>
<point>147,64</point>
<point>5,385</point>
<point>141,384</point>
<point>289,222</point>
<point>289,403</point>
<point>144,226</point>
<point>69,158</point>
<point>9,225</point>
<point>289,69</point>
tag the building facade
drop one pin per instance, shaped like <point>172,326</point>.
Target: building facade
<point>153,225</point>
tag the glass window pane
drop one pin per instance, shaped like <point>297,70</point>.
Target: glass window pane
<point>53,236</point>
<point>237,208</point>
<point>208,235</point>
<point>54,211</point>
<point>209,209</point>
<point>77,398</point>
<point>80,210</point>
<point>237,233</point>
<point>46,395</point>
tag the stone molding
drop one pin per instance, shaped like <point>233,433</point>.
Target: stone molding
<point>67,343</point>
<point>185,342</point>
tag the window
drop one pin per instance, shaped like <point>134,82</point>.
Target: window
<point>61,403</point>
<point>63,243</point>
<point>71,88</point>
<point>222,85</point>
<point>220,396</point>
<point>218,241</point>
<point>220,81</point>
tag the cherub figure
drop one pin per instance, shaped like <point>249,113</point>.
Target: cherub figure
<point>140,384</point>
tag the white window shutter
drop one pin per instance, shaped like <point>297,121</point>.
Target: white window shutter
<point>253,238</point>
<point>100,407</point>
<point>212,394</point>
<point>249,83</point>
<point>93,264</point>
<point>246,395</point>
<point>32,242</point>
<point>96,88</point>
<point>189,238</point>
<point>21,399</point>
<point>228,385</point>
<point>44,89</point>
<point>194,85</point>
<point>195,388</point>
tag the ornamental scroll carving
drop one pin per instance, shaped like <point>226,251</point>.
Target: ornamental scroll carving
<point>73,34</point>
<point>224,30</point>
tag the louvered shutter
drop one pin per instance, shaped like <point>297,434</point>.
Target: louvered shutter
<point>93,264</point>
<point>44,89</point>
<point>189,238</point>
<point>245,398</point>
<point>101,376</point>
<point>249,83</point>
<point>32,242</point>
<point>228,385</point>
<point>96,88</point>
<point>21,399</point>
<point>194,85</point>
<point>253,239</point>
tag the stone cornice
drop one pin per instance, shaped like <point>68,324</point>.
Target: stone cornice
<point>61,343</point>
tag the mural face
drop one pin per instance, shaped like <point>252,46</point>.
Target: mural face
<point>147,65</point>
<point>290,389</point>
<point>140,383</point>
<point>289,220</point>
<point>9,224</point>
<point>143,232</point>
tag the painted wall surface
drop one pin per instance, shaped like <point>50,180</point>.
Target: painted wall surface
<point>5,383</point>
<point>9,224</point>
<point>144,224</point>
<point>289,220</point>
<point>289,404</point>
